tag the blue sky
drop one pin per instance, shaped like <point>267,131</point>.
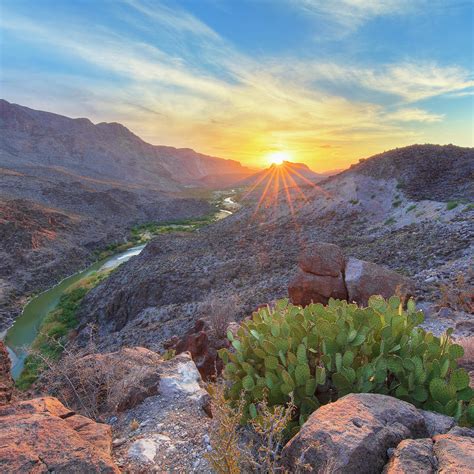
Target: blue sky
<point>326,81</point>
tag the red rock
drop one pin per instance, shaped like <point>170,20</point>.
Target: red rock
<point>322,259</point>
<point>353,434</point>
<point>455,454</point>
<point>307,287</point>
<point>36,436</point>
<point>412,456</point>
<point>203,347</point>
<point>364,279</point>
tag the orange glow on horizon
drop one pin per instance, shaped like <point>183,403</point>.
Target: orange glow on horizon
<point>281,182</point>
<point>278,157</point>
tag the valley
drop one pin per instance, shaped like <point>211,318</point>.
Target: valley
<point>121,294</point>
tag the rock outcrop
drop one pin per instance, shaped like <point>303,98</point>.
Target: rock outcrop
<point>42,435</point>
<point>203,345</point>
<point>324,272</point>
<point>353,434</point>
<point>372,433</point>
<point>6,381</point>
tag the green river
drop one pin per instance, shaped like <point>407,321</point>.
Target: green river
<point>25,329</point>
<point>26,326</point>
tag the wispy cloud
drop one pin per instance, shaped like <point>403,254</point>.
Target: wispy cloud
<point>351,14</point>
<point>213,97</point>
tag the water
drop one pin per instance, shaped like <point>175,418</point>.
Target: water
<point>26,327</point>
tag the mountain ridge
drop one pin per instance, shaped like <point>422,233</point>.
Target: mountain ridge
<point>104,149</point>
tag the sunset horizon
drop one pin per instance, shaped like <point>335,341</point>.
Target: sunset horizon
<point>243,80</point>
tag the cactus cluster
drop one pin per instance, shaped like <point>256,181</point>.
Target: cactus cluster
<point>319,353</point>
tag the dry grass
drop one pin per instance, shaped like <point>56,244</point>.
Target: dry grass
<point>220,312</point>
<point>87,382</point>
<point>257,447</point>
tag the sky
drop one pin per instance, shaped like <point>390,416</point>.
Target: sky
<point>323,82</point>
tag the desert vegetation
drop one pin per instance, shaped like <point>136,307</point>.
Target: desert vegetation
<point>320,353</point>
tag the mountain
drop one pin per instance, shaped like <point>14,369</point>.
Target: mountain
<point>69,188</point>
<point>385,210</point>
<point>108,153</point>
<point>288,174</point>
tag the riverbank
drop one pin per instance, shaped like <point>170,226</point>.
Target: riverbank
<point>48,318</point>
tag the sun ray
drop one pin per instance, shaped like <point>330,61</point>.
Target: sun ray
<point>264,193</point>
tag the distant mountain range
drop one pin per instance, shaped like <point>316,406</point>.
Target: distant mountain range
<point>287,174</point>
<point>106,153</point>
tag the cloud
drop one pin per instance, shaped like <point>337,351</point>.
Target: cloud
<point>351,14</point>
<point>414,115</point>
<point>197,90</point>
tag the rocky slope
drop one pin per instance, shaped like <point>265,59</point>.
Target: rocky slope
<point>252,255</point>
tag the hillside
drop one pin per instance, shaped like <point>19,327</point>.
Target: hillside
<point>106,153</point>
<point>250,257</point>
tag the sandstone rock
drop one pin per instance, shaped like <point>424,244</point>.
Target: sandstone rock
<point>41,435</point>
<point>455,454</point>
<point>6,381</point>
<point>436,423</point>
<point>364,279</point>
<point>322,259</point>
<point>353,434</point>
<point>412,456</point>
<point>307,287</point>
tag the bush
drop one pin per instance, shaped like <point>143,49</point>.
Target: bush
<point>451,205</point>
<point>320,353</point>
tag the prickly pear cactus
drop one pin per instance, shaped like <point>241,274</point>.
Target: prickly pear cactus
<point>319,353</point>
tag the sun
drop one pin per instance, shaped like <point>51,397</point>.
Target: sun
<point>278,157</point>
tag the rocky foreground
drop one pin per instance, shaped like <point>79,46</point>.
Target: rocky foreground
<point>159,419</point>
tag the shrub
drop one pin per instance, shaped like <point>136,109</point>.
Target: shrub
<point>451,205</point>
<point>411,208</point>
<point>390,221</point>
<point>320,353</point>
<point>396,203</point>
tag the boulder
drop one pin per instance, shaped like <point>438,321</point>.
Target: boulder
<point>42,435</point>
<point>353,434</point>
<point>412,456</point>
<point>308,288</point>
<point>6,381</point>
<point>364,279</point>
<point>179,377</point>
<point>323,259</point>
<point>325,273</point>
<point>455,453</point>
